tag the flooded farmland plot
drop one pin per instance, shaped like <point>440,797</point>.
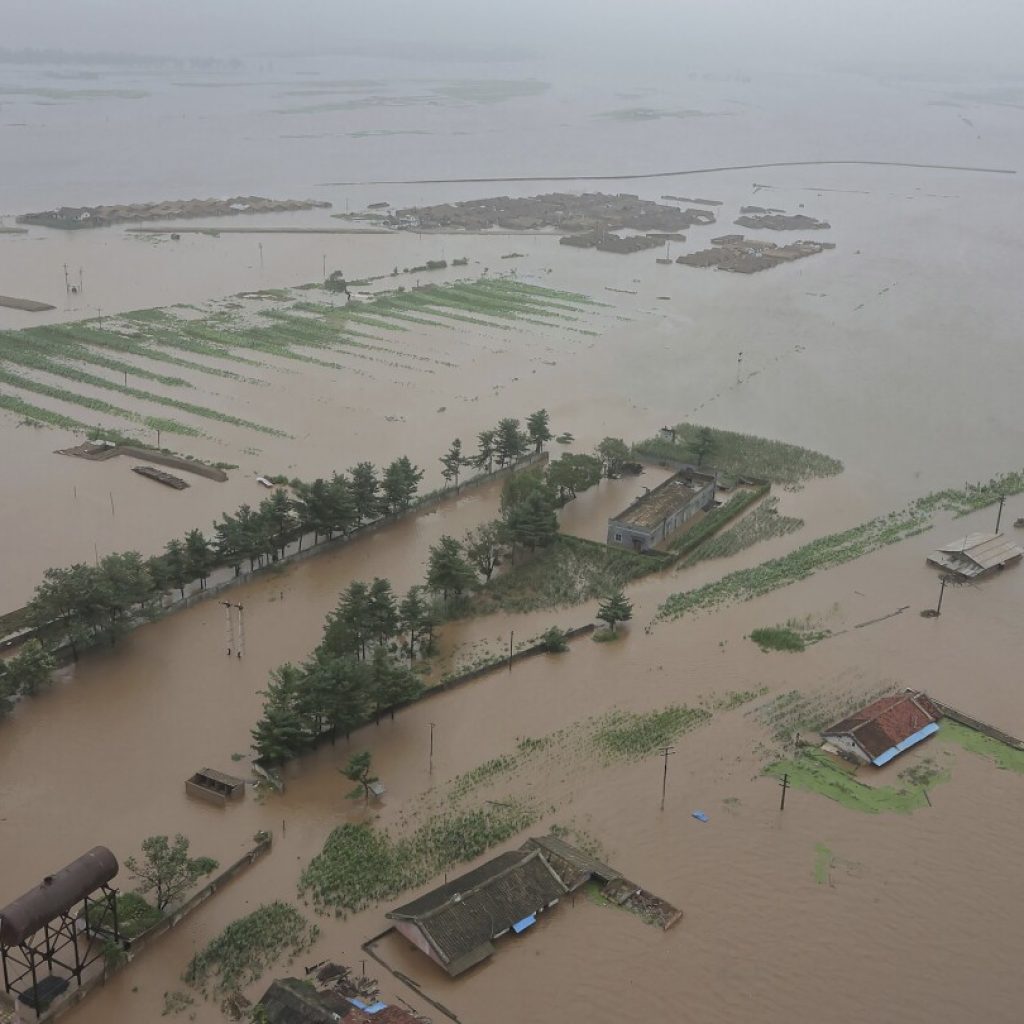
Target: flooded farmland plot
<point>357,501</point>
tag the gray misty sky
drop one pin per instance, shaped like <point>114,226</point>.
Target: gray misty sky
<point>913,33</point>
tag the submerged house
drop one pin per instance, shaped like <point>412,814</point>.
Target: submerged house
<point>457,923</point>
<point>976,554</point>
<point>659,513</point>
<point>884,729</point>
<point>297,1001</point>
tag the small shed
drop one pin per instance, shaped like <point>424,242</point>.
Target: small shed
<point>457,923</point>
<point>217,787</point>
<point>976,554</point>
<point>657,514</point>
<point>885,728</point>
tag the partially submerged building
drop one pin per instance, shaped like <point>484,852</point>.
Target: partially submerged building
<point>885,728</point>
<point>457,923</point>
<point>297,1001</point>
<point>659,513</point>
<point>976,554</point>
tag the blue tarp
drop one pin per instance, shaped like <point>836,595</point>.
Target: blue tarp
<point>921,734</point>
<point>521,926</point>
<point>368,1007</point>
<point>699,815</point>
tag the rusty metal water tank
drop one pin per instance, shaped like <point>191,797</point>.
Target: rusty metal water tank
<point>55,895</point>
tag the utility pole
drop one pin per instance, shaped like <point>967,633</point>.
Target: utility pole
<point>785,785</point>
<point>739,365</point>
<point>67,282</point>
<point>261,255</point>
<point>431,748</point>
<point>999,514</point>
<point>325,266</point>
<point>665,752</point>
<point>158,437</point>
<point>229,626</point>
<point>944,579</point>
<point>511,634</point>
<point>241,630</point>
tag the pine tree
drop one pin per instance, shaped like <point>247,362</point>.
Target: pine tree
<point>401,479</point>
<point>452,462</point>
<point>175,565</point>
<point>485,454</point>
<point>199,556</point>
<point>615,608</point>
<point>538,429</point>
<point>280,734</point>
<point>365,488</point>
<point>448,572</point>
<point>509,441</point>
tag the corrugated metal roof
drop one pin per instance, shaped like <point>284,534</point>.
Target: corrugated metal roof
<point>976,553</point>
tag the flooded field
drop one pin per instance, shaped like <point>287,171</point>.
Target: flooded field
<point>896,352</point>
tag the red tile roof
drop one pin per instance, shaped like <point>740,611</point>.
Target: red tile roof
<point>886,722</point>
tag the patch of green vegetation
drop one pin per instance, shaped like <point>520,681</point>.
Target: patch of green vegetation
<point>737,698</point>
<point>823,553</point>
<point>762,524</point>
<point>817,773</point>
<point>135,915</point>
<point>778,638</point>
<point>791,713</point>
<point>360,865</point>
<point>822,863</point>
<point>627,735</point>
<point>482,774</point>
<point>568,572</point>
<point>971,497</point>
<point>737,455</point>
<point>175,1003</point>
<point>247,947</point>
<point>37,414</point>
<point>60,95</point>
<point>1007,757</point>
<point>604,636</point>
<point>713,521</point>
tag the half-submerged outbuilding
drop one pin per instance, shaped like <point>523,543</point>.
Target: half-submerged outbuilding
<point>976,554</point>
<point>885,728</point>
<point>657,514</point>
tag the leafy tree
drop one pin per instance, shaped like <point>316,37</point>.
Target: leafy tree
<point>613,454</point>
<point>417,622</point>
<point>538,429</point>
<point>573,473</point>
<point>391,682</point>
<point>509,442</point>
<point>451,462</point>
<point>69,597</point>
<point>703,445</point>
<point>554,640</point>
<point>175,565</point>
<point>124,584</point>
<point>401,479</point>
<point>528,511</point>
<point>342,514</point>
<point>448,572</point>
<point>199,556</point>
<point>359,771</point>
<point>365,488</point>
<point>229,542</point>
<point>7,691</point>
<point>276,512</point>
<point>335,693</point>
<point>615,608</point>
<point>280,734</point>
<point>167,869</point>
<point>485,455</point>
<point>484,548</point>
<point>28,671</point>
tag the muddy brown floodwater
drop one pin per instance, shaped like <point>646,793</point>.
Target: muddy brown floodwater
<point>897,352</point>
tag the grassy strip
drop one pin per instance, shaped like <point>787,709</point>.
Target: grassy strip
<point>762,524</point>
<point>96,404</point>
<point>247,947</point>
<point>736,455</point>
<point>360,865</point>
<point>824,553</point>
<point>572,570</point>
<point>1007,757</point>
<point>817,773</point>
<point>628,736</point>
<point>37,414</point>
<point>972,497</point>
